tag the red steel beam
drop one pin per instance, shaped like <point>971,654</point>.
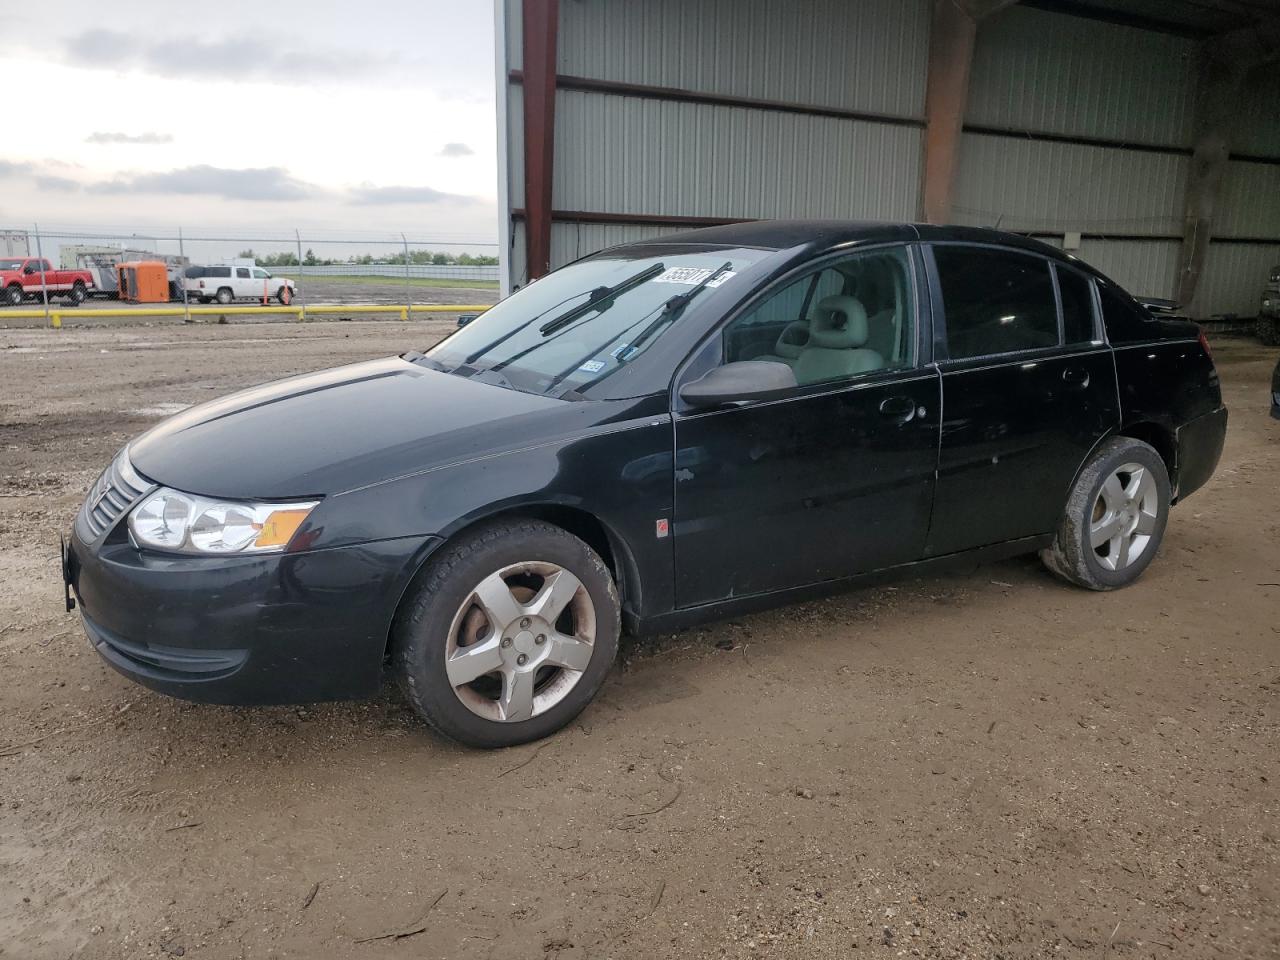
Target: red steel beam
<point>541,26</point>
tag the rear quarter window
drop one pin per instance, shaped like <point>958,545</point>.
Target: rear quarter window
<point>1126,321</point>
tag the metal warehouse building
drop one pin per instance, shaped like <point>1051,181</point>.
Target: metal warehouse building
<point>1143,135</point>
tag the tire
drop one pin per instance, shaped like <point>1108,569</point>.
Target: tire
<point>78,294</point>
<point>442,617</point>
<point>284,295</point>
<point>1133,507</point>
<point>1269,331</point>
<point>224,295</point>
<point>13,295</point>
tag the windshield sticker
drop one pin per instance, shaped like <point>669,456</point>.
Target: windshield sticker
<point>692,276</point>
<point>624,352</point>
<point>592,366</point>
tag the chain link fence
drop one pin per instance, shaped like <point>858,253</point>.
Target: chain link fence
<point>71,267</point>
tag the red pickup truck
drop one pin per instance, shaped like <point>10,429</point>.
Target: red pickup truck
<point>20,278</point>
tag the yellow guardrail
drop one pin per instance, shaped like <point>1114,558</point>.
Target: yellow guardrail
<point>301,312</point>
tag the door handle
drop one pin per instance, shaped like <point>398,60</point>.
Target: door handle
<point>1076,376</point>
<point>901,409</point>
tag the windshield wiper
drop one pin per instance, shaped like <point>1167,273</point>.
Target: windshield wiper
<point>597,295</point>
<point>669,312</point>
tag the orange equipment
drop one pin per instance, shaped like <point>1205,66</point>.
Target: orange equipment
<point>143,281</point>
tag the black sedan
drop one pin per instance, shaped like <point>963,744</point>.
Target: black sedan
<point>660,433</point>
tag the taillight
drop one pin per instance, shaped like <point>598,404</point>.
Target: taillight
<point>1204,344</point>
<point>202,287</point>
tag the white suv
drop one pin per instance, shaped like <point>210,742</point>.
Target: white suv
<point>237,282</point>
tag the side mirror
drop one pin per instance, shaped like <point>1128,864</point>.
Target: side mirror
<point>742,380</point>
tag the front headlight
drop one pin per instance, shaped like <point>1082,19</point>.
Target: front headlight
<point>183,523</point>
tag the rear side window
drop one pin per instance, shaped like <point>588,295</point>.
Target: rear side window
<point>995,301</point>
<point>242,273</point>
<point>1077,306</point>
<point>1125,320</point>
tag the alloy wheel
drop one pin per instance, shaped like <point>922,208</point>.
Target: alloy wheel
<point>1124,516</point>
<point>520,641</point>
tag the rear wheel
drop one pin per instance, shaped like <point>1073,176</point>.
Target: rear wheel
<point>78,293</point>
<point>1269,331</point>
<point>1115,517</point>
<point>224,295</point>
<point>510,633</point>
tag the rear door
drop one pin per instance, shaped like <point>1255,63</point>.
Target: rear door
<point>832,480</point>
<point>1028,391</point>
<point>243,284</point>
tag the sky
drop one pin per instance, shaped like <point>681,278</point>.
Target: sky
<point>254,119</point>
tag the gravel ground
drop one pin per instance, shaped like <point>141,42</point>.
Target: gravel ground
<point>987,764</point>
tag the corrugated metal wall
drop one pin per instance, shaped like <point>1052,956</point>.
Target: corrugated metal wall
<point>866,55</point>
<point>628,155</point>
<point>1036,76</point>
<point>1058,74</point>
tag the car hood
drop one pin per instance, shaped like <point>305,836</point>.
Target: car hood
<point>333,431</point>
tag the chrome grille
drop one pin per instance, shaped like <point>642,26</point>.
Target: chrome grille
<point>112,494</point>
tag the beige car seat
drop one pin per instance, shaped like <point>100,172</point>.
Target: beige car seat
<point>791,343</point>
<point>837,340</point>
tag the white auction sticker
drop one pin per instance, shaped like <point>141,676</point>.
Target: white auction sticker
<point>692,276</point>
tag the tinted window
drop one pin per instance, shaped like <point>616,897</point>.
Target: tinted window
<point>853,316</point>
<point>995,301</point>
<point>1124,319</point>
<point>1077,306</point>
<point>217,271</point>
<point>242,272</point>
<point>195,273</point>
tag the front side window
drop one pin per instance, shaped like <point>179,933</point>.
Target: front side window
<point>261,275</point>
<point>580,325</point>
<point>853,316</point>
<point>995,301</point>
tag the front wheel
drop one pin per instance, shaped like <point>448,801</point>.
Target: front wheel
<point>1115,517</point>
<point>13,295</point>
<point>509,634</point>
<point>285,295</point>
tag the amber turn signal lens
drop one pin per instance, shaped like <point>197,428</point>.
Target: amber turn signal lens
<point>280,527</point>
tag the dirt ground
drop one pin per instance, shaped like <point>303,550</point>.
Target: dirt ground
<point>987,764</point>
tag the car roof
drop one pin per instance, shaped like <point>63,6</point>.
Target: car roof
<point>817,235</point>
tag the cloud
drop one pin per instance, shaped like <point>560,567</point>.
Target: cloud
<point>256,183</point>
<point>11,168</point>
<point>243,58</point>
<point>58,184</point>
<point>147,137</point>
<point>456,150</point>
<point>370,194</point>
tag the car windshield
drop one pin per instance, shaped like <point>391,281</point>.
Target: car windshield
<point>10,264</point>
<point>577,326</point>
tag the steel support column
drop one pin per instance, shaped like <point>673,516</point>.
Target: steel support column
<point>541,26</point>
<point>951,38</point>
<point>1224,68</point>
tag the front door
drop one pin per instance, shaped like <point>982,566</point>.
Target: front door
<point>834,480</point>
<point>1028,390</point>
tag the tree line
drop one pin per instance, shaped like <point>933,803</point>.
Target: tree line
<point>416,257</point>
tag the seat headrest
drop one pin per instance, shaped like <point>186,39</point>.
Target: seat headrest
<point>840,324</point>
<point>793,339</point>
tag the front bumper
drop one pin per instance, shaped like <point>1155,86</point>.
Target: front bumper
<point>283,628</point>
